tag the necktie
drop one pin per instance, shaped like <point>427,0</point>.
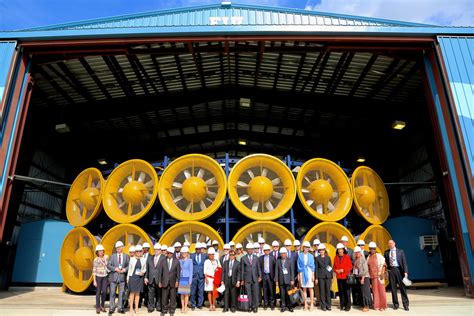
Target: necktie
<point>231,264</point>
<point>267,264</point>
<point>289,255</point>
<point>276,255</point>
<point>120,259</point>
<point>250,259</point>
<point>392,257</point>
<point>169,264</point>
<point>199,259</point>
<point>156,260</point>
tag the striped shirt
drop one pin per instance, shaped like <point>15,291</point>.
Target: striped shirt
<point>100,266</point>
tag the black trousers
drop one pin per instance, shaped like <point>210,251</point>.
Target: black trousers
<point>396,279</point>
<point>168,299</point>
<point>230,295</point>
<point>356,294</point>
<point>344,293</point>
<point>284,298</point>
<point>154,297</point>
<point>144,296</point>
<point>268,291</point>
<point>101,291</point>
<point>366,297</point>
<point>325,292</point>
<point>253,291</point>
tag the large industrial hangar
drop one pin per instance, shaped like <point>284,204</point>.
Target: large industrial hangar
<point>228,81</point>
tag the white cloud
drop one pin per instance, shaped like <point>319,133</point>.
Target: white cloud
<point>438,12</point>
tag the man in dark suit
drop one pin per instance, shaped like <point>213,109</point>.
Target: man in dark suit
<point>197,286</point>
<point>275,253</point>
<point>267,266</point>
<point>151,279</point>
<point>284,279</point>
<point>397,270</point>
<point>231,281</point>
<point>323,275</point>
<point>250,277</point>
<point>118,267</point>
<point>168,279</point>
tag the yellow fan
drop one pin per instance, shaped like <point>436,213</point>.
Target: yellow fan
<point>370,195</point>
<point>377,234</point>
<point>129,234</point>
<point>268,230</point>
<point>76,258</point>
<point>84,198</point>
<point>192,187</point>
<point>130,191</point>
<point>324,189</point>
<point>192,232</point>
<point>261,187</point>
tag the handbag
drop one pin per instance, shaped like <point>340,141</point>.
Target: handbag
<point>351,279</point>
<point>297,297</point>
<point>243,301</point>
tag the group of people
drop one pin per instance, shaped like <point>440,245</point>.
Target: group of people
<point>261,273</point>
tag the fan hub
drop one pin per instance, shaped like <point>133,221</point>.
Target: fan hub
<point>194,189</point>
<point>366,195</point>
<point>89,196</point>
<point>134,192</point>
<point>320,191</point>
<point>260,188</point>
<point>83,258</point>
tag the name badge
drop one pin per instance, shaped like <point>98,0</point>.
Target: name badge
<point>120,266</point>
<point>138,270</point>
<point>285,271</point>
<point>329,268</point>
<point>356,271</point>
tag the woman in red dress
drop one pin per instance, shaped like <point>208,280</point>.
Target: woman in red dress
<point>377,267</point>
<point>342,267</point>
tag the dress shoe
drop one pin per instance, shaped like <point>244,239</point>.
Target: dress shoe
<point>255,310</point>
<point>395,307</point>
<point>329,308</point>
<point>225,310</point>
<point>272,308</point>
<point>406,308</point>
<point>232,310</point>
<point>291,310</point>
<point>323,309</point>
<point>282,310</point>
<point>111,311</point>
<point>193,308</point>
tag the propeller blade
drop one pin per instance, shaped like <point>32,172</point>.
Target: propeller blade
<point>122,204</point>
<point>178,198</point>
<point>202,205</point>
<point>242,184</point>
<point>335,195</point>
<point>187,174</point>
<point>149,184</point>
<point>244,197</point>
<point>129,178</point>
<point>269,205</point>
<point>120,190</point>
<point>319,208</point>
<point>149,196</point>
<point>200,173</point>
<point>212,194</point>
<point>211,181</point>
<point>188,207</point>
<point>331,206</point>
<point>142,206</point>
<point>177,185</point>
<point>309,202</point>
<point>251,174</point>
<point>141,177</point>
<point>276,181</point>
<point>277,195</point>
<point>305,190</point>
<point>255,206</point>
<point>307,179</point>
<point>264,172</point>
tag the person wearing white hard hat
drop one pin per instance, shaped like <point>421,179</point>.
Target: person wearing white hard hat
<point>212,276</point>
<point>275,250</point>
<point>361,244</point>
<point>187,244</point>
<point>118,267</point>
<point>259,251</point>
<point>306,274</point>
<point>225,256</point>
<point>144,294</point>
<point>297,247</point>
<point>284,279</point>
<point>185,278</point>
<point>177,249</point>
<point>350,251</point>
<point>197,285</point>
<point>131,251</point>
<point>215,245</point>
<point>397,271</point>
<point>323,276</point>
<point>343,267</point>
<point>361,272</point>
<point>151,278</point>
<point>316,243</point>
<point>230,278</point>
<point>250,277</point>
<point>377,268</point>
<point>267,266</point>
<point>135,276</point>
<point>99,272</point>
<point>168,280</point>
<point>239,251</point>
<point>232,245</point>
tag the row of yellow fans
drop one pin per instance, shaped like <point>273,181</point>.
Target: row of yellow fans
<point>77,251</point>
<point>194,186</point>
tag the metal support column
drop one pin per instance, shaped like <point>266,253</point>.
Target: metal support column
<point>166,161</point>
<point>227,201</point>
<point>292,214</point>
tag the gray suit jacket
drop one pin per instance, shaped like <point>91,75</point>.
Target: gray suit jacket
<point>169,277</point>
<point>280,277</point>
<point>152,271</point>
<point>114,263</point>
<point>250,272</point>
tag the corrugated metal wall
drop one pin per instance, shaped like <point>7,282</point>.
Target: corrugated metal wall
<point>458,56</point>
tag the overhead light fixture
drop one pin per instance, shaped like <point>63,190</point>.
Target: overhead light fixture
<point>361,159</point>
<point>102,161</point>
<point>399,125</point>
<point>242,142</point>
<point>62,128</point>
<point>245,103</point>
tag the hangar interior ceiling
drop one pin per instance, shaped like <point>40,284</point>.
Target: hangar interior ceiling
<point>307,100</point>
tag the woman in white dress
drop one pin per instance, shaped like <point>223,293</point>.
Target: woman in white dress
<point>306,274</point>
<point>211,266</point>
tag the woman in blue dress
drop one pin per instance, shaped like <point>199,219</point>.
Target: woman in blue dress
<point>306,274</point>
<point>185,278</point>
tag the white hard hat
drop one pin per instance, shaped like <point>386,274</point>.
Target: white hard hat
<point>357,249</point>
<point>372,245</point>
<point>361,242</point>
<point>316,242</point>
<point>170,249</point>
<point>321,246</point>
<point>297,243</point>
<point>344,238</point>
<point>238,246</point>
<point>164,248</point>
<point>211,251</point>
<point>275,243</point>
<point>146,245</point>
<point>186,244</point>
<point>215,242</point>
<point>138,248</point>
<point>261,240</point>
<point>99,247</point>
<point>287,242</point>
<point>177,244</point>
<point>266,247</point>
<point>131,249</point>
<point>118,244</point>
<point>185,249</point>
<point>231,243</point>
<point>306,244</point>
<point>256,245</point>
<point>226,247</point>
<point>157,246</point>
<point>249,246</point>
<point>283,250</point>
<point>340,246</point>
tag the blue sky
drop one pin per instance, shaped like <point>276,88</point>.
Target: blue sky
<point>18,14</point>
